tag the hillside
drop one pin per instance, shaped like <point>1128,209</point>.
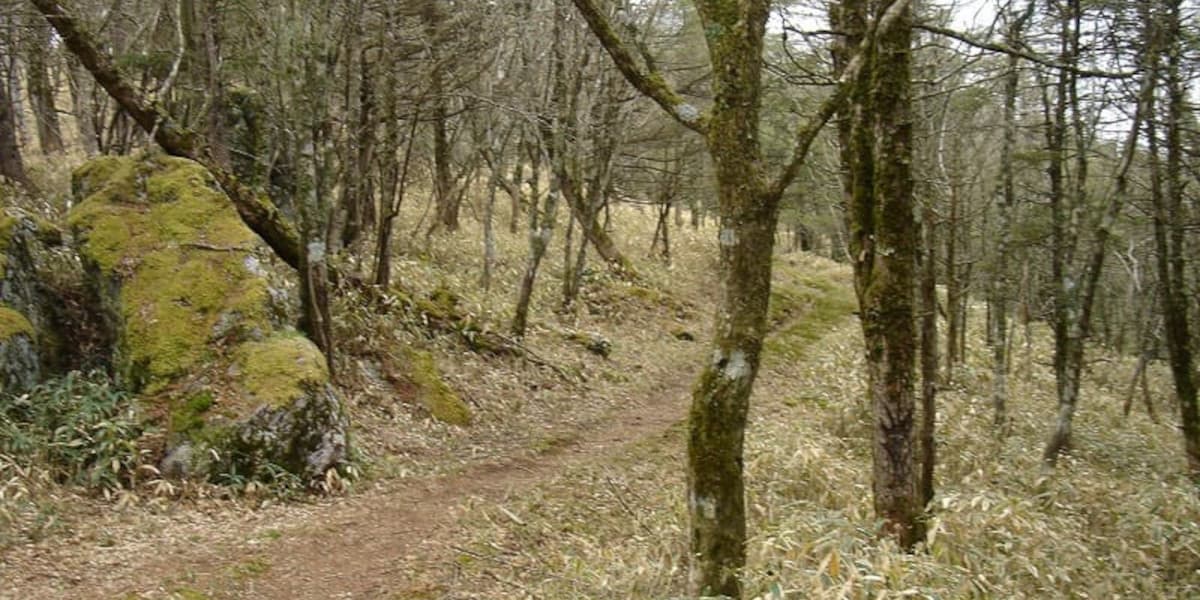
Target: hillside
<point>569,482</point>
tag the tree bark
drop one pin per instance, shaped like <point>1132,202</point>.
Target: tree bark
<point>12,167</point>
<point>877,151</point>
<point>1169,240</point>
<point>929,355</point>
<point>40,89</point>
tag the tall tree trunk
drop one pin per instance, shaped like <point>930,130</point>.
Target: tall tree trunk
<point>999,288</point>
<point>953,283</point>
<point>1169,240</point>
<point>929,353</point>
<point>877,148</point>
<point>1076,291</point>
<point>40,88</point>
<point>445,200</point>
<point>748,206</point>
<point>12,167</point>
<point>394,182</point>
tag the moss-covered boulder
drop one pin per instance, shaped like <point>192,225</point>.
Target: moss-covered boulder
<point>19,365</point>
<point>26,333</point>
<point>197,330</point>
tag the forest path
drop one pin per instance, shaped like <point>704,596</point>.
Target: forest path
<point>396,540</point>
<point>401,543</point>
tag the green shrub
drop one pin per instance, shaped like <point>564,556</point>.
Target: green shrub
<point>79,427</point>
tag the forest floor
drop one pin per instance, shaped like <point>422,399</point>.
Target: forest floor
<point>569,483</point>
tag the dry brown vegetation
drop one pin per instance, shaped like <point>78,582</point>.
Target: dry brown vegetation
<point>1118,518</point>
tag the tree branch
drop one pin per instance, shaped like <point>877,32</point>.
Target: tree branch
<point>259,214</point>
<point>649,82</point>
<point>1019,53</point>
<point>808,133</point>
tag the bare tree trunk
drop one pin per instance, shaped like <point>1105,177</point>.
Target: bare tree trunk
<point>359,204</point>
<point>40,89</point>
<point>11,165</point>
<point>999,290</point>
<point>1169,240</point>
<point>489,236</point>
<point>541,228</point>
<point>929,354</point>
<point>394,183</point>
<point>953,285</point>
<point>1076,292</point>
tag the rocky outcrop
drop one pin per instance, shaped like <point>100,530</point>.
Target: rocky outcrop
<point>198,331</point>
<point>26,335</point>
<point>19,367</point>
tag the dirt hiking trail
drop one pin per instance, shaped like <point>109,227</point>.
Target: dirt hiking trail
<point>395,541</point>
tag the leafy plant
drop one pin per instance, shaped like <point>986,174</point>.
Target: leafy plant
<point>79,427</point>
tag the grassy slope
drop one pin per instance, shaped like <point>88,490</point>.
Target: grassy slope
<point>1117,520</point>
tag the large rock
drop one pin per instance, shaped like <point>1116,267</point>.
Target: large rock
<point>19,366</point>
<point>27,338</point>
<point>198,331</point>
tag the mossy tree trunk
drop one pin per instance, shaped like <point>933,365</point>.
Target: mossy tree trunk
<point>877,154</point>
<point>748,207</point>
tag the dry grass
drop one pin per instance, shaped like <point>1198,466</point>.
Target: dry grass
<point>1117,519</point>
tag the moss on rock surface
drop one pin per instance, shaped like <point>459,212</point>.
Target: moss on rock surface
<point>19,368</point>
<point>432,392</point>
<point>26,306</point>
<point>188,304</point>
<point>280,370</point>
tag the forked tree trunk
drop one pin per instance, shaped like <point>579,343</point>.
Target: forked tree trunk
<point>877,154</point>
<point>748,206</point>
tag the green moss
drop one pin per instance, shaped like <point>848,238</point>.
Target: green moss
<point>438,398</point>
<point>13,323</point>
<point>7,223</point>
<point>250,568</point>
<point>160,228</point>
<point>803,308</point>
<point>278,371</point>
<point>187,593</point>
<point>188,416</point>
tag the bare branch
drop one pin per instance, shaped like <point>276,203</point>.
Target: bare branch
<point>808,133</point>
<point>1019,53</point>
<point>649,82</point>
